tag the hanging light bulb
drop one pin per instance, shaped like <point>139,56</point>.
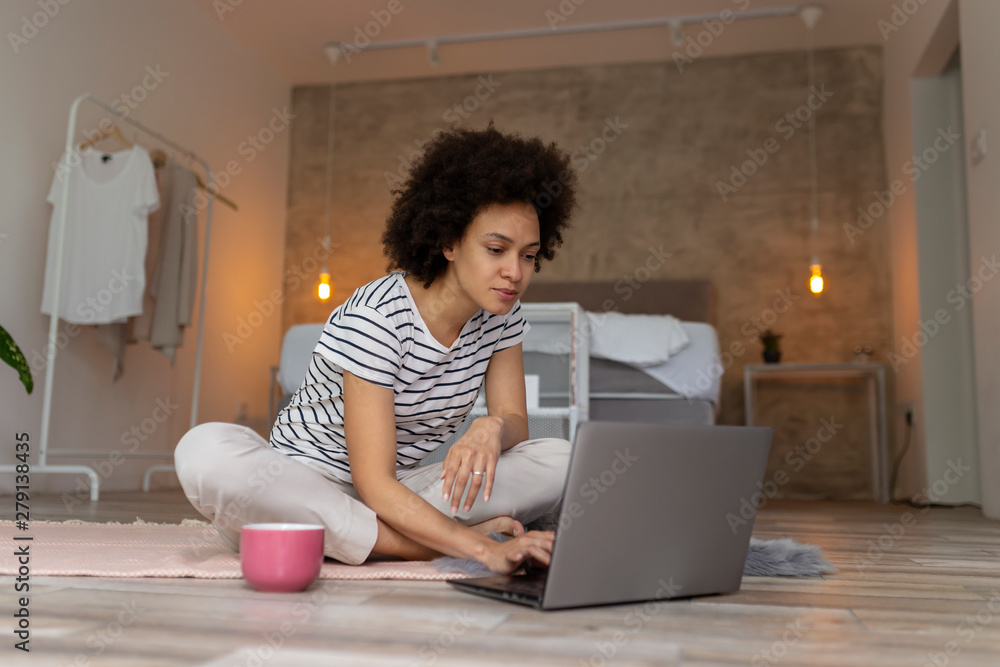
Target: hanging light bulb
<point>816,281</point>
<point>325,291</point>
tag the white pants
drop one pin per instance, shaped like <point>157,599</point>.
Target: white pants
<point>233,477</point>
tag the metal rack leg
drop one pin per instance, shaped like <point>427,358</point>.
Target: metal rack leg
<point>149,474</point>
<point>95,481</point>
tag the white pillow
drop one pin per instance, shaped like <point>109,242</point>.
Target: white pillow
<point>638,340</point>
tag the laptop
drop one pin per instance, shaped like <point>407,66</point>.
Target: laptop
<point>649,512</point>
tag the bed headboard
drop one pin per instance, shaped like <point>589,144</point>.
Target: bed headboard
<point>688,300</point>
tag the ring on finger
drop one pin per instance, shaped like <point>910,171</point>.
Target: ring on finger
<point>478,472</point>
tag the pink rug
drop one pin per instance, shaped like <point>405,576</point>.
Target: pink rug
<point>156,550</point>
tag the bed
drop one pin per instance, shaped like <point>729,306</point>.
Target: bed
<point>684,390</point>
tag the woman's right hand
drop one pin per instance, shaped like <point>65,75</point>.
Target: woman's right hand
<point>506,557</point>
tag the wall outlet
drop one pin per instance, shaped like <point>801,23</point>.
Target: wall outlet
<point>906,416</point>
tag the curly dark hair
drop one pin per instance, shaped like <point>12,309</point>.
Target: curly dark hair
<point>463,172</point>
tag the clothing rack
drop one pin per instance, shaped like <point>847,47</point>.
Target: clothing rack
<point>51,349</point>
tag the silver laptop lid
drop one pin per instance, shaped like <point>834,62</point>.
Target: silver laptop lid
<point>652,511</point>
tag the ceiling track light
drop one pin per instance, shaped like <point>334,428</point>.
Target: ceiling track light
<point>343,50</point>
<point>677,33</point>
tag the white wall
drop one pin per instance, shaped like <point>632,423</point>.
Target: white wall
<point>981,86</point>
<point>949,396</point>
<point>920,47</point>
<point>211,95</point>
<point>903,51</point>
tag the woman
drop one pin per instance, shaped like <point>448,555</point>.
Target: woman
<point>399,366</point>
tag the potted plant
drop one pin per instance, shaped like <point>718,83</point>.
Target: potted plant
<point>11,354</point>
<point>772,346</point>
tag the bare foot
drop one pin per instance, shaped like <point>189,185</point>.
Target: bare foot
<point>504,525</point>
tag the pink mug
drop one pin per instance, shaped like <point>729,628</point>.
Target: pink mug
<point>281,557</point>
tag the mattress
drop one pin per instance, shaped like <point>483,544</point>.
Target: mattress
<point>653,409</point>
<point>686,375</point>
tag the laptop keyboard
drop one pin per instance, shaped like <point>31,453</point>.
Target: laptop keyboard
<point>530,585</point>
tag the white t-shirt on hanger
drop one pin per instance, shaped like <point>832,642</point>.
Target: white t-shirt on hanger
<point>109,198</point>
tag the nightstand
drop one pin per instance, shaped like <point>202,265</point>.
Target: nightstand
<point>873,375</point>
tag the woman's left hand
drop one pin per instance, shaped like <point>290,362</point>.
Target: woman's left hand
<point>473,456</point>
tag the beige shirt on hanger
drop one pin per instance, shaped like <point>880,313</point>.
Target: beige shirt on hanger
<point>171,291</point>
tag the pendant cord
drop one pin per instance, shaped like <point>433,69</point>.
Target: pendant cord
<point>331,104</point>
<point>813,177</point>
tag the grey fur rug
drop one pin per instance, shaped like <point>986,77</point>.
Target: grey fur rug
<point>766,558</point>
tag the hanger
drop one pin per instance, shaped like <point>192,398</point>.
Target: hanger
<point>113,133</point>
<point>160,158</point>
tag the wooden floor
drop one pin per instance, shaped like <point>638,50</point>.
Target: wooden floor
<point>914,588</point>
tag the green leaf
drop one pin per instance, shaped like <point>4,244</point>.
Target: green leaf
<point>11,354</point>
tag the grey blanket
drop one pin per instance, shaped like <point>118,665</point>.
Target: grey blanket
<point>766,558</point>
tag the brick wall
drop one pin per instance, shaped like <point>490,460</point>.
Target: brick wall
<point>669,140</point>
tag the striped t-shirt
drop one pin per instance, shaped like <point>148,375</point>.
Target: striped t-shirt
<point>379,336</point>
